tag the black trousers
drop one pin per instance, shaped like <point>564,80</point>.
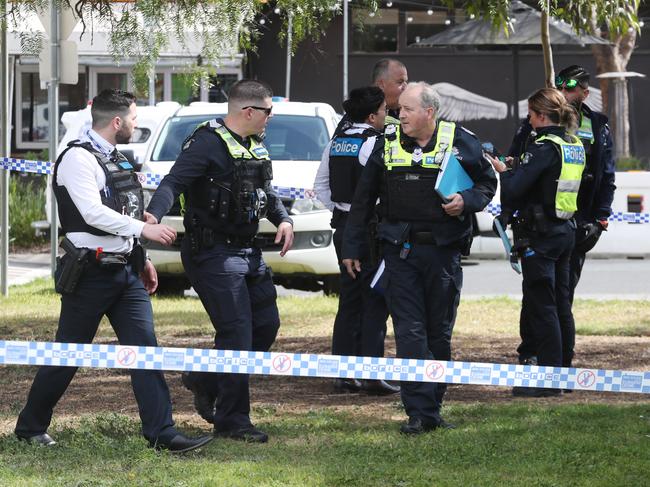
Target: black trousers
<point>423,293</point>
<point>237,291</point>
<point>528,347</point>
<point>547,300</point>
<point>360,323</point>
<point>120,295</point>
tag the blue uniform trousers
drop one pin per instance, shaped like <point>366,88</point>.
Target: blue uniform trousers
<point>360,323</point>
<point>528,346</point>
<point>547,297</point>
<point>120,295</point>
<point>237,291</point>
<point>423,293</point>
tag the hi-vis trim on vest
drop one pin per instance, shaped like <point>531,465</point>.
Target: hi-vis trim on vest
<point>396,156</point>
<point>346,146</point>
<point>585,131</point>
<point>573,164</point>
<point>236,150</point>
<point>314,365</point>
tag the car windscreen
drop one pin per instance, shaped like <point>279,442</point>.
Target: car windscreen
<point>288,137</point>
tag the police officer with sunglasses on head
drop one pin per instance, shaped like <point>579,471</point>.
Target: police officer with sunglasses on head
<point>596,189</point>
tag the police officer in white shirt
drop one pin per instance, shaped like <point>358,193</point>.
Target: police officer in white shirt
<point>104,271</point>
<point>360,324</point>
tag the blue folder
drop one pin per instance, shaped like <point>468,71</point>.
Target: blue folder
<point>452,178</point>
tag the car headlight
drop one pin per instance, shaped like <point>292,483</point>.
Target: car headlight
<point>306,205</point>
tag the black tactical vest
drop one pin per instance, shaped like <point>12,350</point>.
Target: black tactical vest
<point>345,169</point>
<point>237,197</point>
<point>123,192</point>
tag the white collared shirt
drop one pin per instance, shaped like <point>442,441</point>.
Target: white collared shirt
<point>84,178</point>
<point>322,181</point>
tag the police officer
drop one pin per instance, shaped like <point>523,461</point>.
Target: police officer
<point>225,173</point>
<point>543,189</point>
<point>391,77</point>
<point>596,190</point>
<point>100,208</point>
<point>360,324</point>
<point>422,235</point>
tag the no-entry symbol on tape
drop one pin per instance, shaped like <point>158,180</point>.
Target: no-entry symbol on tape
<point>435,370</point>
<point>281,363</point>
<point>586,378</point>
<point>126,357</point>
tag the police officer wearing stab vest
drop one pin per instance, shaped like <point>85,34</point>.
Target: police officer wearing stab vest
<point>596,190</point>
<point>224,172</point>
<point>103,272</point>
<point>543,189</point>
<point>360,324</point>
<point>422,236</point>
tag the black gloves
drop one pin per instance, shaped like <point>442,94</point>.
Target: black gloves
<point>587,236</point>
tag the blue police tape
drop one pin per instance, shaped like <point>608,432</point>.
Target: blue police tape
<point>313,365</point>
<point>152,180</point>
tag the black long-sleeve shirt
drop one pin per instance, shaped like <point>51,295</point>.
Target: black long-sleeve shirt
<point>205,155</point>
<point>446,232</point>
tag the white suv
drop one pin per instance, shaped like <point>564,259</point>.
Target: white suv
<point>296,136</point>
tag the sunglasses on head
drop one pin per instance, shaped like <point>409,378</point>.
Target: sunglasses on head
<point>264,109</point>
<point>565,83</point>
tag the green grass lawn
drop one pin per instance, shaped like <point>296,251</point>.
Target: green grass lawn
<point>576,445</point>
<point>519,443</point>
<point>31,312</point>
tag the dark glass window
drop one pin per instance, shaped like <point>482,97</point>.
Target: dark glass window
<point>375,31</point>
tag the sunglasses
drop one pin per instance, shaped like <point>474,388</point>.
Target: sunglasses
<point>263,109</point>
<point>569,84</point>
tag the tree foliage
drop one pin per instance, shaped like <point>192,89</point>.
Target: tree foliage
<point>141,30</point>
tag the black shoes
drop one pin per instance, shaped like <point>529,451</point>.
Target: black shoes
<point>347,385</point>
<point>528,360</point>
<point>203,399</point>
<point>249,434</point>
<point>535,392</point>
<point>42,439</point>
<point>181,443</point>
<point>378,387</point>
<point>416,426</point>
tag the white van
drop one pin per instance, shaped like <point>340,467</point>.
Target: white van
<point>296,136</point>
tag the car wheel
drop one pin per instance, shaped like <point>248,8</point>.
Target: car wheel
<point>172,286</point>
<point>332,285</point>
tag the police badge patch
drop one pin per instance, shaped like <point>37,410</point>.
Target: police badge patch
<point>525,158</point>
<point>188,143</point>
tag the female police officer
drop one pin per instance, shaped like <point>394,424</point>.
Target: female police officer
<point>543,189</point>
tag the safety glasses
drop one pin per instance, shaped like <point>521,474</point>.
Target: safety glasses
<point>569,84</point>
<point>263,109</point>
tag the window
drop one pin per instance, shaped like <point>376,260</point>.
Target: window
<point>288,137</point>
<point>423,24</point>
<point>32,109</point>
<point>183,90</point>
<point>220,86</point>
<point>116,81</point>
<point>375,31</point>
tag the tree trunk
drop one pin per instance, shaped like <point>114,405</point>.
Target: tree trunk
<point>615,57</point>
<point>549,72</point>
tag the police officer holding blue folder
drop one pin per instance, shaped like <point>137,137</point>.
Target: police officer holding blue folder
<point>423,237</point>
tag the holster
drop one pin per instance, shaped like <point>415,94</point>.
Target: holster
<point>73,265</point>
